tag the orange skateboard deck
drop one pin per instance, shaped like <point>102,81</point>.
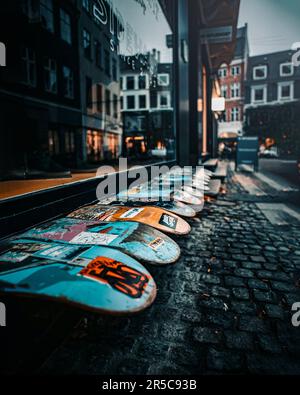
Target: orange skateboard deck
<point>156,217</point>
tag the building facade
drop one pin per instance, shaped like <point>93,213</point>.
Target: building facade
<point>232,81</point>
<point>273,101</point>
<point>40,114</point>
<point>90,80</point>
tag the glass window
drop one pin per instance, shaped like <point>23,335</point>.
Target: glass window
<point>89,92</point>
<point>99,98</point>
<point>114,70</point>
<point>286,70</point>
<point>65,26</point>
<point>130,83</point>
<point>235,114</point>
<point>47,16</point>
<point>142,82</point>
<point>98,54</point>
<point>105,66</point>
<point>50,75</point>
<point>260,72</point>
<point>130,102</point>
<point>286,91</point>
<point>163,79</point>
<point>142,101</point>
<point>87,44</point>
<point>107,102</point>
<point>28,67</point>
<point>107,63</point>
<point>235,70</point>
<point>224,91</point>
<point>68,77</point>
<point>115,106</point>
<point>235,90</point>
<point>259,94</point>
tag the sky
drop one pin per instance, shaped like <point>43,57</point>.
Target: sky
<point>274,25</point>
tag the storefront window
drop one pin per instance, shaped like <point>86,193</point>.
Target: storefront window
<point>104,78</point>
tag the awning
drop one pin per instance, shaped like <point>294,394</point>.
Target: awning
<point>220,19</point>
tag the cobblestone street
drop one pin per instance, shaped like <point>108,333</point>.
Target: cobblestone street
<point>225,307</point>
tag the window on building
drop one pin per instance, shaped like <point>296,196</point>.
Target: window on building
<point>260,72</point>
<point>47,15</point>
<point>164,100</point>
<point>130,102</point>
<point>107,62</point>
<point>286,91</point>
<point>142,101</point>
<point>122,103</point>
<point>235,90</point>
<point>86,5</point>
<point>142,82</point>
<point>163,79</point>
<point>114,70</point>
<point>224,91</point>
<point>222,73</point>
<point>28,67</point>
<point>68,81</point>
<point>98,54</point>
<point>259,94</point>
<point>50,75</point>
<point>153,100</point>
<point>69,141</point>
<point>89,92</point>
<point>87,43</point>
<point>53,142</point>
<point>107,102</point>
<point>121,83</point>
<point>115,107</point>
<point>65,26</point>
<point>130,83</point>
<point>99,98</point>
<point>235,114</point>
<point>235,70</point>
<point>286,70</point>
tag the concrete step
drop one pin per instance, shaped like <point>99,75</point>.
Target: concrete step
<point>221,172</point>
<point>211,164</point>
<point>214,188</point>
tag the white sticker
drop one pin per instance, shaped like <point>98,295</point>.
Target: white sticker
<point>131,213</point>
<point>93,238</point>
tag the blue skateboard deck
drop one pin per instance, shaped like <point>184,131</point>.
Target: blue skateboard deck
<point>99,279</point>
<point>140,241</point>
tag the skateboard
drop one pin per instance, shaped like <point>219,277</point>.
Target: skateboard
<point>177,208</point>
<point>156,192</point>
<point>156,217</point>
<point>99,279</point>
<point>140,241</point>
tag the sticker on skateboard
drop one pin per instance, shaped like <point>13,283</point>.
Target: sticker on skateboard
<point>150,215</point>
<point>177,208</point>
<point>131,238</point>
<point>108,281</point>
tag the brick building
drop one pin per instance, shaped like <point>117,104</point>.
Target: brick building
<point>232,80</point>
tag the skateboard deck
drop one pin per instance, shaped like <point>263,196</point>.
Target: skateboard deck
<point>177,208</point>
<point>156,192</point>
<point>140,241</point>
<point>158,218</point>
<point>99,279</point>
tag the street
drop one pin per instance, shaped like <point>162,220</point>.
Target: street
<point>281,170</point>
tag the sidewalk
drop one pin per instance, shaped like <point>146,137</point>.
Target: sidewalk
<point>225,307</point>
